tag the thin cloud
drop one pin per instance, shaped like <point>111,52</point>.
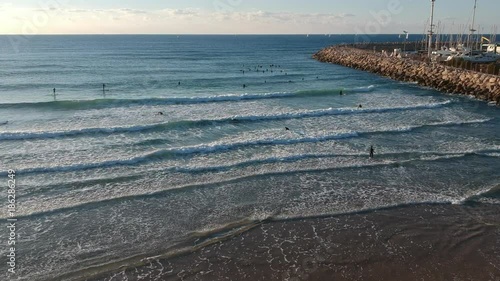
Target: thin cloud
<point>284,17</point>
<point>346,16</point>
<point>77,11</point>
<point>188,20</point>
<point>5,6</point>
<point>132,11</point>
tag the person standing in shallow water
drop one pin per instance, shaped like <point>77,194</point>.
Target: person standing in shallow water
<point>372,151</point>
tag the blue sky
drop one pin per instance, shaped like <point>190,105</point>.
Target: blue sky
<point>240,16</point>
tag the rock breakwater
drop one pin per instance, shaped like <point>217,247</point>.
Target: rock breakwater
<point>443,78</point>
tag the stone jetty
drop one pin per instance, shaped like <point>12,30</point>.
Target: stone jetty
<point>443,78</point>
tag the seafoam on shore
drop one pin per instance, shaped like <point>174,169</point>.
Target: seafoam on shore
<point>105,180</point>
<point>416,242</point>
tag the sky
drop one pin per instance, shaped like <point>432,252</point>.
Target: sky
<point>243,16</point>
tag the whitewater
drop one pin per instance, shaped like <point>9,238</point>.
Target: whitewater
<point>100,170</point>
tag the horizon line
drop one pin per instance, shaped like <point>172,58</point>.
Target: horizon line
<point>228,34</point>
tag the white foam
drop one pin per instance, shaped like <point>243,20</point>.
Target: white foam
<point>256,138</point>
<point>56,134</point>
<point>287,115</point>
<point>365,89</point>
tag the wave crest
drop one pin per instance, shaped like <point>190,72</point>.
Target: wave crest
<point>202,122</point>
<point>110,103</point>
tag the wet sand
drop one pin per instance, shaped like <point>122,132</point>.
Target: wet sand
<point>418,242</point>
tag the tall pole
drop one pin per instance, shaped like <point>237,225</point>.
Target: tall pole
<point>472,30</point>
<point>404,45</point>
<point>431,32</point>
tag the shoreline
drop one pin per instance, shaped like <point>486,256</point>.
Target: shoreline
<point>442,78</point>
<point>412,242</point>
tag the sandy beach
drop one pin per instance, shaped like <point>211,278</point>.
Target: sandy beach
<point>418,242</point>
<point>250,140</point>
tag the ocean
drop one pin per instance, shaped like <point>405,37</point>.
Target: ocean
<point>188,142</point>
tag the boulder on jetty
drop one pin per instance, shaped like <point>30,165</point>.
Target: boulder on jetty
<point>443,78</point>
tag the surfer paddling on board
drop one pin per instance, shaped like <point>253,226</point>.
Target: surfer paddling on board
<point>372,151</point>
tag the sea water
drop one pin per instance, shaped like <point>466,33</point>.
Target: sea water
<point>103,176</point>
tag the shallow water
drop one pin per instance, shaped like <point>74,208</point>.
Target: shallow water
<point>102,176</point>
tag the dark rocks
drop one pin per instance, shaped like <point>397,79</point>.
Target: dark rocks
<point>440,77</point>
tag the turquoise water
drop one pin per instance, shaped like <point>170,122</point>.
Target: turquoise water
<point>102,176</point>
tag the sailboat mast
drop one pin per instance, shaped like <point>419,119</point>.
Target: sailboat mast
<point>431,32</point>
<point>438,34</point>
<point>472,30</point>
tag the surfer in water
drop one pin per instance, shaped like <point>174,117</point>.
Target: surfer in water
<point>287,129</point>
<point>341,92</point>
<point>372,151</point>
<point>159,113</point>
